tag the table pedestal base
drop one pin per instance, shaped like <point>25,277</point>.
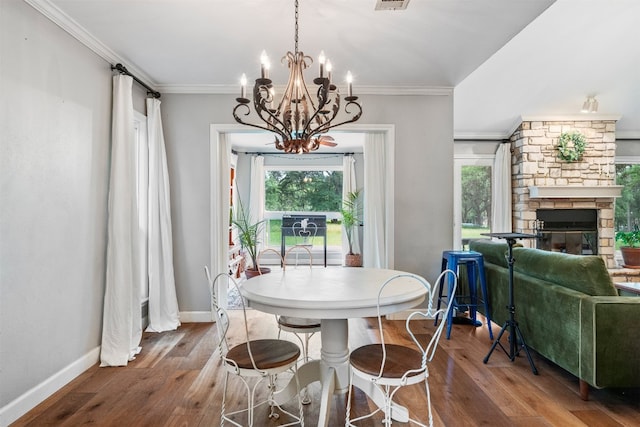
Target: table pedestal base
<point>333,373</point>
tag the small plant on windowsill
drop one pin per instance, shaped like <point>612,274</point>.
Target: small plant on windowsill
<point>350,220</point>
<point>571,146</point>
<point>249,234</point>
<point>630,249</point>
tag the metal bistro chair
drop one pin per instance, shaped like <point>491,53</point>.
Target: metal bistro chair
<point>302,328</point>
<point>260,359</point>
<point>391,366</point>
<point>296,325</point>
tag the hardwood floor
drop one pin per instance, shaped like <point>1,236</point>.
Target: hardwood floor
<point>177,381</point>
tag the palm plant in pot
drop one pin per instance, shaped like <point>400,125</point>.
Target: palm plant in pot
<point>249,234</point>
<point>351,218</point>
<point>630,247</point>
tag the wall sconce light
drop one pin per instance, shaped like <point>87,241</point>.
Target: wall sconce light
<point>590,105</point>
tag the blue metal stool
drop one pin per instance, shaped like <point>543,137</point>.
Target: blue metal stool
<point>474,263</point>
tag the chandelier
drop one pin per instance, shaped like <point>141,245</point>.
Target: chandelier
<point>298,120</point>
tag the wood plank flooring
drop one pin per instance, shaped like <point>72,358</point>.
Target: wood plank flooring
<point>177,381</point>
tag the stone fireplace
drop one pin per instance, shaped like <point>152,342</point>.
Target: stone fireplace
<point>542,183</point>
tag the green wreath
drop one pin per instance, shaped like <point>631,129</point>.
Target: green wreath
<point>571,146</point>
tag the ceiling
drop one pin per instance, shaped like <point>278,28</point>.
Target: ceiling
<point>503,59</point>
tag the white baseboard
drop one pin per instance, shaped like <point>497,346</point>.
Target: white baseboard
<point>195,316</point>
<point>29,400</point>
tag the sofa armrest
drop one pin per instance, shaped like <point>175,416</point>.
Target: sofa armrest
<point>610,341</point>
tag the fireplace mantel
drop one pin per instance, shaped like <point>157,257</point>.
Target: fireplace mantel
<point>575,192</point>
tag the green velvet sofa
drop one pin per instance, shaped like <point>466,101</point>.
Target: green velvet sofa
<point>568,311</point>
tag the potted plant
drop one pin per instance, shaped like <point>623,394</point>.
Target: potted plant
<point>630,247</point>
<point>350,219</point>
<point>249,234</point>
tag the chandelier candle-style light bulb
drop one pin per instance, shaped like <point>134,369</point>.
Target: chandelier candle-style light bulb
<point>243,86</point>
<point>321,60</point>
<point>264,65</point>
<point>349,84</point>
<point>301,117</point>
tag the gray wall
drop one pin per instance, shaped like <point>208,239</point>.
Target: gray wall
<point>55,127</point>
<point>423,179</point>
<point>54,164</point>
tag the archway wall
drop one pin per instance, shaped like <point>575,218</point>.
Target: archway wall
<point>423,181</point>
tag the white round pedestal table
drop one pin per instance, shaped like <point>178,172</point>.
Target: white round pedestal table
<point>332,295</point>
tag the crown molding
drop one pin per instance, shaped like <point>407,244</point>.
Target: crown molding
<point>64,21</point>
<point>362,90</point>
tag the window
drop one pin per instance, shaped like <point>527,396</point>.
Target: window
<point>311,190</point>
<point>627,210</point>
<point>472,202</point>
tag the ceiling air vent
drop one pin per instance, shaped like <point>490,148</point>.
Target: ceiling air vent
<point>391,4</point>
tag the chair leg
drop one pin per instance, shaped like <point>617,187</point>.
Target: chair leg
<point>473,290</point>
<point>347,421</point>
<point>440,285</point>
<point>426,385</point>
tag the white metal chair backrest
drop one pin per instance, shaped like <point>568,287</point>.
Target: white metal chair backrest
<point>221,316</point>
<point>427,349</point>
<point>295,249</point>
<point>305,232</point>
<point>286,255</point>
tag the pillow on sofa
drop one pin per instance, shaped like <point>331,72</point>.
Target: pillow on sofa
<point>493,252</point>
<point>583,273</point>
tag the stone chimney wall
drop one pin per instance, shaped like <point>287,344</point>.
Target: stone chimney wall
<point>535,162</point>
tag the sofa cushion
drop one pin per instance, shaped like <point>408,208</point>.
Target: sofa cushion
<point>493,252</point>
<point>583,273</point>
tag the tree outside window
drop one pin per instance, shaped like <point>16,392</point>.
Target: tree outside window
<point>627,211</point>
<point>476,201</point>
<point>299,191</point>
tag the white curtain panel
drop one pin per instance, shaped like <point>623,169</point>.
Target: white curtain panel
<point>374,234</point>
<point>349,185</point>
<point>122,323</point>
<point>256,194</point>
<point>163,303</point>
<point>501,191</point>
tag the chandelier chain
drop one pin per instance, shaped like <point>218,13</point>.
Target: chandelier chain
<point>296,28</point>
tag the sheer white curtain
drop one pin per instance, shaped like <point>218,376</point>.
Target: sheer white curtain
<point>122,323</point>
<point>256,191</point>
<point>501,191</point>
<point>374,253</point>
<point>349,185</point>
<point>163,303</point>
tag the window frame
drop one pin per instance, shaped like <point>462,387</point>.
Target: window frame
<point>314,168</point>
<point>459,161</point>
<point>624,160</point>
<point>269,215</point>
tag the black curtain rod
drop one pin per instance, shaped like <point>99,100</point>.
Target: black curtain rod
<point>122,69</point>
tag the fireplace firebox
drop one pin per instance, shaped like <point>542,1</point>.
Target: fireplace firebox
<point>573,231</point>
